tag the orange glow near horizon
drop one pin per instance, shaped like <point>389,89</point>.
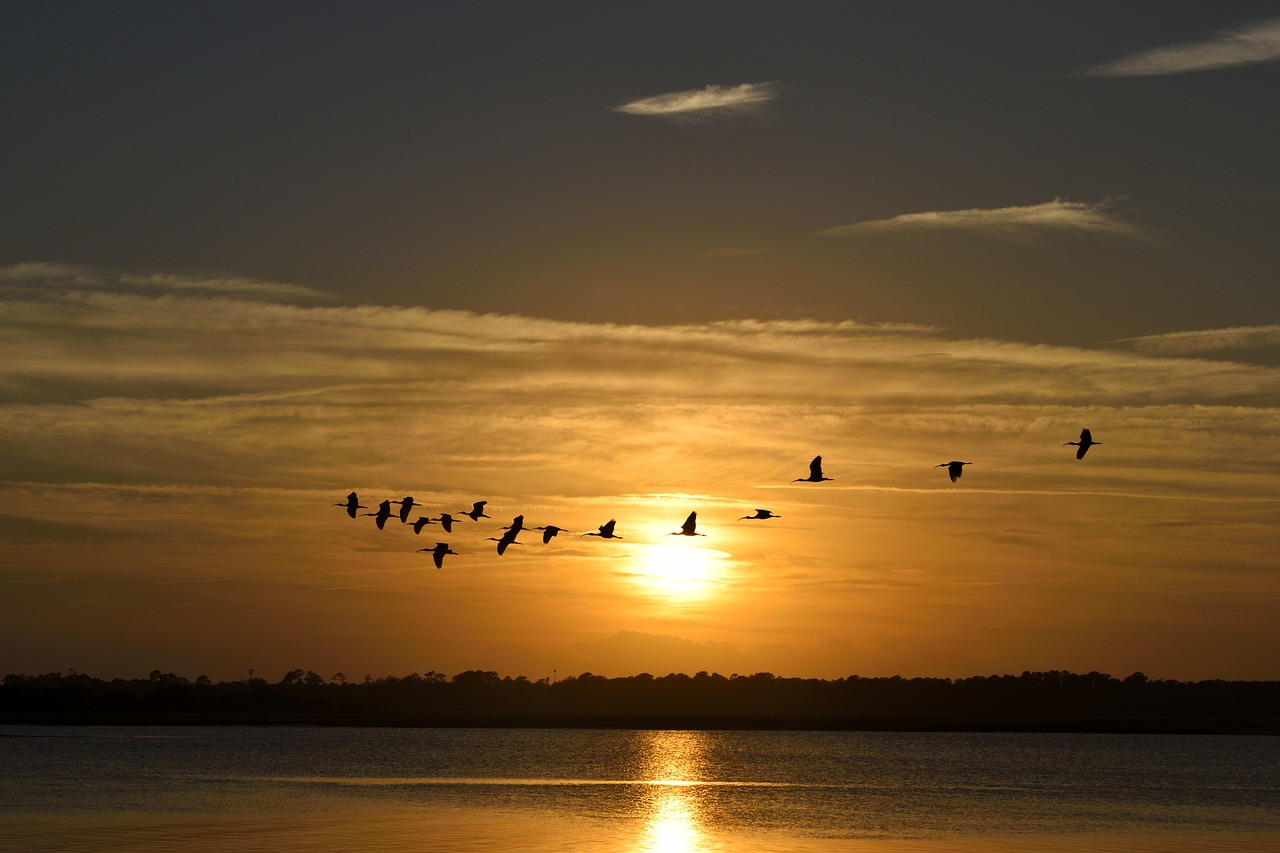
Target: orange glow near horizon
<point>200,522</point>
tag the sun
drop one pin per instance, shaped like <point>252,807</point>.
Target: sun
<point>680,572</point>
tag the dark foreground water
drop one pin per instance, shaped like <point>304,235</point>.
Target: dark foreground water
<point>329,789</point>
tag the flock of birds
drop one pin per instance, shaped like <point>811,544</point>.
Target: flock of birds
<point>606,531</point>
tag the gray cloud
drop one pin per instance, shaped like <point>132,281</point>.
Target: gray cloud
<point>1229,48</point>
<point>709,100</point>
<point>1007,222</point>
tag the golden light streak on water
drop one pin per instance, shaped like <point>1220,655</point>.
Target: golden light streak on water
<point>674,763</point>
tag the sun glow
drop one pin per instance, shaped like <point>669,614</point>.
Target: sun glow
<point>680,571</point>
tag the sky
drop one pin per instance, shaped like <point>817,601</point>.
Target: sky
<point>628,261</point>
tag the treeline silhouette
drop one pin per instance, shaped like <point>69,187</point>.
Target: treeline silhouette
<point>1039,701</point>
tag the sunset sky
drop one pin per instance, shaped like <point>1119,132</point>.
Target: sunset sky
<point>631,260</point>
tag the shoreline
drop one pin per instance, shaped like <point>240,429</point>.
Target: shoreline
<point>675,721</point>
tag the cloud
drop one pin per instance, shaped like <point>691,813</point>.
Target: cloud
<point>50,280</point>
<point>192,345</point>
<point>707,101</point>
<point>1229,48</point>
<point>1207,340</point>
<point>1007,222</point>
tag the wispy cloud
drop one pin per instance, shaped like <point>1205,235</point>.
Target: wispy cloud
<point>707,101</point>
<point>52,279</point>
<point>1246,46</point>
<point>95,345</point>
<point>1207,340</point>
<point>1007,222</point>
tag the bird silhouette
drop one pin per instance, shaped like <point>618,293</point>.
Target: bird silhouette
<point>1086,441</point>
<point>689,528</point>
<point>508,538</point>
<point>383,513</point>
<point>606,531</point>
<point>955,469</point>
<point>437,553</point>
<point>422,522</point>
<point>761,513</point>
<point>549,532</point>
<point>352,503</point>
<point>516,525</point>
<point>406,506</point>
<point>446,521</point>
<point>477,511</point>
<point>815,472</point>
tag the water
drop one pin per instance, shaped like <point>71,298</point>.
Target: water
<point>340,789</point>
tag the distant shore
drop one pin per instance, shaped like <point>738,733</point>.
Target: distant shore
<point>695,722</point>
<point>1052,701</point>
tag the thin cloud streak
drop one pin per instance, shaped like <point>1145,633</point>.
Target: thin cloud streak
<point>1007,222</point>
<point>1229,48</point>
<point>49,280</point>
<point>709,100</point>
<point>95,345</point>
<point>1207,340</point>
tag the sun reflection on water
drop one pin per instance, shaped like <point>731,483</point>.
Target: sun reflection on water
<point>674,814</point>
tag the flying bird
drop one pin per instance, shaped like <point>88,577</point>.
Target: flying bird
<point>815,472</point>
<point>352,503</point>
<point>689,528</point>
<point>606,531</point>
<point>549,532</point>
<point>761,513</point>
<point>437,553</point>
<point>383,513</point>
<point>1086,441</point>
<point>422,522</point>
<point>446,521</point>
<point>955,469</point>
<point>508,538</point>
<point>516,525</point>
<point>405,506</point>
<point>477,511</point>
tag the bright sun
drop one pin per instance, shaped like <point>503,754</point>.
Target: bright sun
<point>680,572</point>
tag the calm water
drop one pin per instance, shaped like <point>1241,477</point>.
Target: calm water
<point>117,788</point>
